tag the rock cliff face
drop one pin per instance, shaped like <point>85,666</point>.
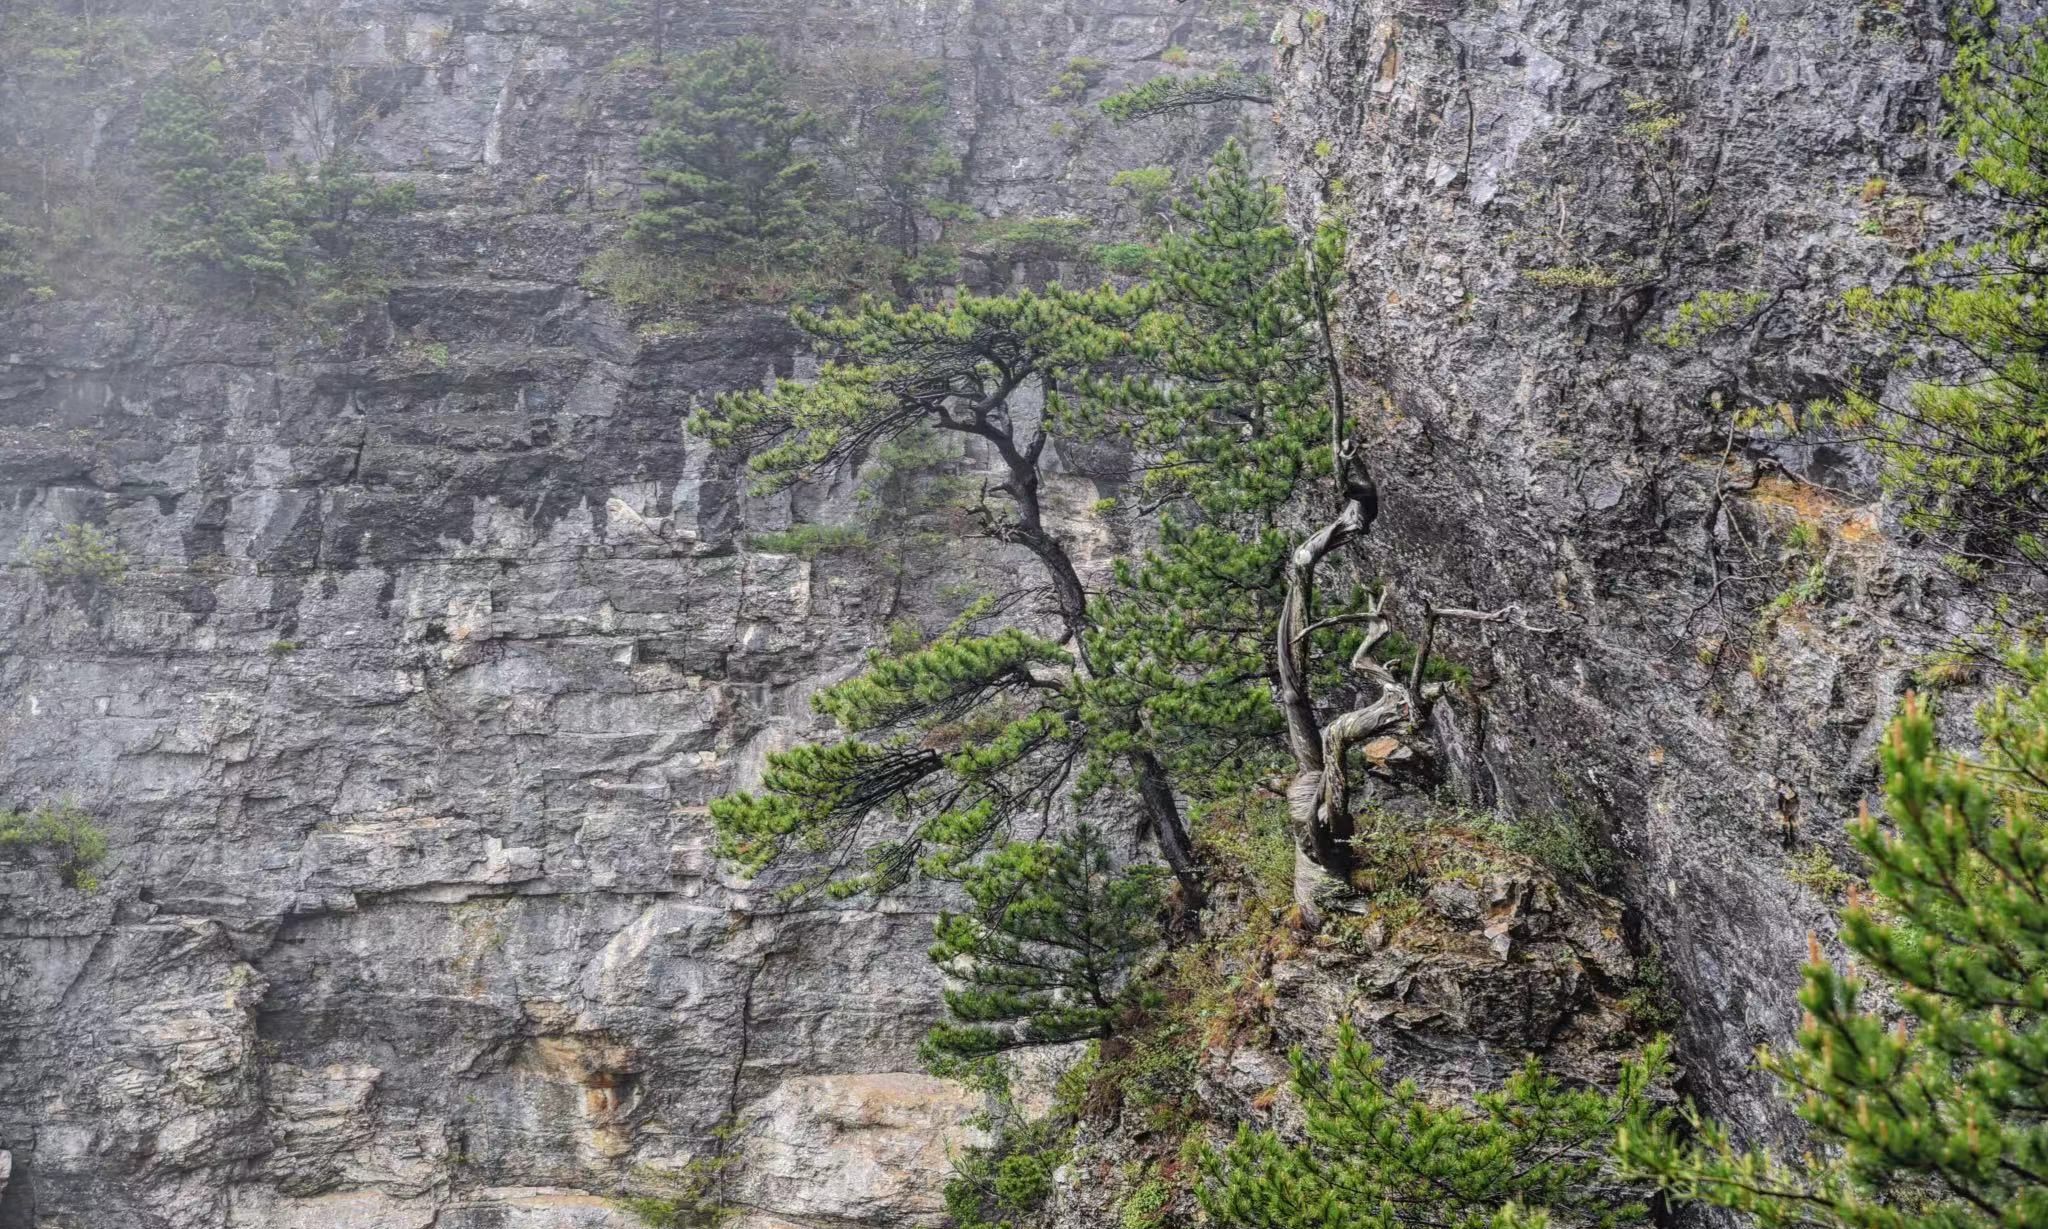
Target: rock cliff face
<point>438,636</point>
<point>434,643</point>
<point>1536,190</point>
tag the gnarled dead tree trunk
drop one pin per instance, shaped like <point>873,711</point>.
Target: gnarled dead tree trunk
<point>1319,797</point>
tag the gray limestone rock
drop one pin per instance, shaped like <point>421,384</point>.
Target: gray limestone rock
<point>436,639</point>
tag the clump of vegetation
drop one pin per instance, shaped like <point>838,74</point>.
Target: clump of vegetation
<point>1651,1001</point>
<point>1245,836</point>
<point>1377,1153</point>
<point>42,40</point>
<point>20,270</point>
<point>1817,872</point>
<point>62,828</point>
<point>1572,277</point>
<point>1075,80</point>
<point>1932,1121</point>
<point>1711,312</point>
<point>81,556</point>
<point>1561,842</point>
<point>1145,1206</point>
<point>1006,1183</point>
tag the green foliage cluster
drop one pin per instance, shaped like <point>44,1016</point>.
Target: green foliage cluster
<point>20,269</point>
<point>776,185</point>
<point>1043,954</point>
<point>1212,371</point>
<point>64,829</point>
<point>809,541</point>
<point>730,182</point>
<point>42,40</point>
<point>993,729</point>
<point>82,556</point>
<point>1572,277</point>
<point>1075,79</point>
<point>1382,1155</point>
<point>1563,843</point>
<point>1148,190</point>
<point>1931,1115</point>
<point>885,126</point>
<point>225,222</point>
<point>693,1195</point>
<point>1006,1183</point>
<point>1967,454</point>
<point>1650,1000</point>
<point>1815,870</point>
<point>1228,404</point>
<point>1710,312</point>
<point>1180,91</point>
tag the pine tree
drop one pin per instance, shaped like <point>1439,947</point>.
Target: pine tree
<point>1967,452</point>
<point>1164,94</point>
<point>1936,1117</point>
<point>885,117</point>
<point>1044,953</point>
<point>1229,406</point>
<point>221,216</point>
<point>1217,373</point>
<point>729,182</point>
<point>956,368</point>
<point>19,268</point>
<point>1387,1156</point>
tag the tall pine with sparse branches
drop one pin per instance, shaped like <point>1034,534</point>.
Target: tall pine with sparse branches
<point>953,742</point>
<point>1933,1114</point>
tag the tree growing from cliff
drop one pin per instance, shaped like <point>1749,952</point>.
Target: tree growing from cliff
<point>1968,455</point>
<point>64,830</point>
<point>962,737</point>
<point>19,268</point>
<point>1043,953</point>
<point>1179,92</point>
<point>1229,405</point>
<point>220,216</point>
<point>1382,1155</point>
<point>1215,375</point>
<point>1935,1115</point>
<point>223,219</point>
<point>885,121</point>
<point>730,182</point>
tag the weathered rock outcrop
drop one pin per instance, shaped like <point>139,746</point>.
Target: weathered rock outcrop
<point>1534,189</point>
<point>435,640</point>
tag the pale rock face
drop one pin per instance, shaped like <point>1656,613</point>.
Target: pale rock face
<point>404,721</point>
<point>856,1146</point>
